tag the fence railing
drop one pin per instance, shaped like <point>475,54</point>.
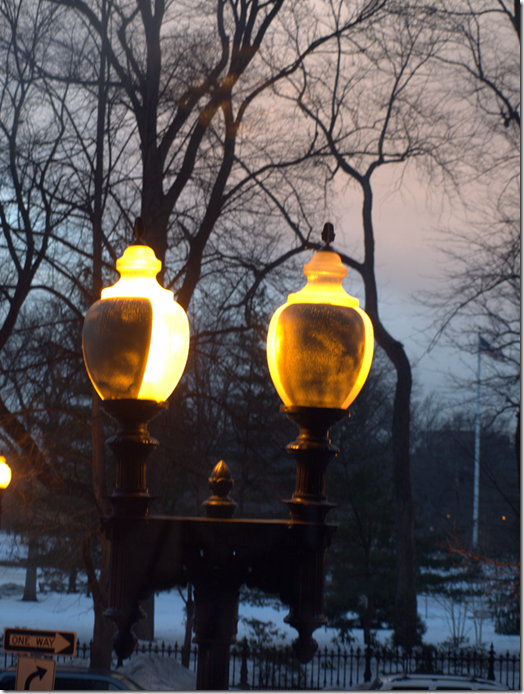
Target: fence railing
<point>277,668</point>
<point>344,668</point>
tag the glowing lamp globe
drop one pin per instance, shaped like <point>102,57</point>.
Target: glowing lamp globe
<point>320,343</point>
<point>5,473</point>
<point>136,337</point>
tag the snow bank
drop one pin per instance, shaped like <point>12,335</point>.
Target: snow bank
<point>155,673</point>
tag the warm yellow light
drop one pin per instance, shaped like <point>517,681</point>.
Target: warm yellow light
<point>5,473</point>
<point>320,344</point>
<point>136,338</point>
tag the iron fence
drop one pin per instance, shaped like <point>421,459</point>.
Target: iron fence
<point>277,668</point>
<point>346,668</point>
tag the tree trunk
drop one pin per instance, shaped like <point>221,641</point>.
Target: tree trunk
<point>103,629</point>
<point>31,572</point>
<point>101,648</point>
<point>366,618</point>
<point>190,611</point>
<point>71,588</point>
<point>405,618</point>
<point>517,444</point>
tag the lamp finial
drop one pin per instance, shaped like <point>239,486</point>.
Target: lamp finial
<point>140,230</point>
<point>220,504</point>
<point>328,233</point>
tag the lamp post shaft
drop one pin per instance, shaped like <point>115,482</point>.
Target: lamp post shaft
<point>306,613</point>
<point>312,451</point>
<point>124,607</point>
<point>216,616</point>
<point>216,592</point>
<point>131,445</point>
<point>213,666</point>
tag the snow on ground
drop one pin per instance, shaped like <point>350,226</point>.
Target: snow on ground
<point>74,612</point>
<point>153,672</point>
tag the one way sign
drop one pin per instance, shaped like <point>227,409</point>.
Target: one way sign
<point>43,642</point>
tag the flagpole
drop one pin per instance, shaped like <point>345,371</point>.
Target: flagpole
<point>477,459</point>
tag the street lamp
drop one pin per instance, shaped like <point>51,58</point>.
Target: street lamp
<point>217,553</point>
<point>136,338</point>
<point>320,343</point>
<point>319,351</point>
<point>5,479</point>
<point>135,343</point>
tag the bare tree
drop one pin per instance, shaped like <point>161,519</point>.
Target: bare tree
<point>188,79</point>
<point>482,288</point>
<point>483,51</point>
<point>37,248</point>
<point>139,107</point>
<point>31,177</point>
<point>371,104</point>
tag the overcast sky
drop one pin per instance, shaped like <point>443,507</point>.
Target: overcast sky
<point>408,262</point>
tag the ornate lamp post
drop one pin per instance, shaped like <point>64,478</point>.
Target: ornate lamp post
<point>315,342</point>
<point>135,344</point>
<point>5,479</point>
<point>319,352</point>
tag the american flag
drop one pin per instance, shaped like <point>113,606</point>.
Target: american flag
<point>490,351</point>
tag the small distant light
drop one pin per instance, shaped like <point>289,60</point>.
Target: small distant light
<point>503,517</point>
<point>5,473</point>
<point>448,515</point>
